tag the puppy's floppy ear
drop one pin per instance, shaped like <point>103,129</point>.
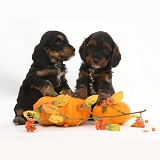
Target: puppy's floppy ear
<point>45,39</point>
<point>116,56</point>
<point>39,56</point>
<point>82,50</point>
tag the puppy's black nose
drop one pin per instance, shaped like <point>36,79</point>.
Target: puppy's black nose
<point>73,49</point>
<point>95,60</point>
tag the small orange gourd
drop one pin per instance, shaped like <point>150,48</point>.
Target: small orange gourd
<point>113,110</point>
<point>43,116</point>
<point>68,110</point>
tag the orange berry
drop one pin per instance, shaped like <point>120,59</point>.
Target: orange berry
<point>32,130</point>
<point>138,121</point>
<point>103,104</point>
<point>98,127</point>
<point>30,121</point>
<point>141,125</point>
<point>34,127</point>
<point>146,121</point>
<point>102,123</point>
<point>153,129</point>
<point>96,122</point>
<point>65,125</point>
<point>103,127</point>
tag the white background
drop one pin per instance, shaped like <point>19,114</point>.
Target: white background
<point>134,26</point>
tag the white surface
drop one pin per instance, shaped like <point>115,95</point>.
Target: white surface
<point>134,26</point>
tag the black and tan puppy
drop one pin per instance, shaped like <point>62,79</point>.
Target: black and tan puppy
<point>99,54</point>
<point>46,76</point>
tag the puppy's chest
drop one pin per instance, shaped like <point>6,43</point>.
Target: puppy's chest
<point>59,72</point>
<point>99,76</point>
<point>52,71</point>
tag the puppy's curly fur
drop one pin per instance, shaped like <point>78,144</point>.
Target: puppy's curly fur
<point>99,54</point>
<point>46,76</point>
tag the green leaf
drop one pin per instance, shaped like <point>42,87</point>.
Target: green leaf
<point>134,125</point>
<point>40,110</point>
<point>104,109</point>
<point>117,97</point>
<point>31,115</point>
<point>61,100</point>
<point>95,118</point>
<point>113,127</point>
<point>56,118</point>
<point>91,100</point>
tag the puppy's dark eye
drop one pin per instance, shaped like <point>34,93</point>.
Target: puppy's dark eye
<point>91,47</point>
<point>59,42</point>
<point>106,49</point>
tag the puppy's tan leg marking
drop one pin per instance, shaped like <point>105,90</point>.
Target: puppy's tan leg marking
<point>47,72</point>
<point>47,90</point>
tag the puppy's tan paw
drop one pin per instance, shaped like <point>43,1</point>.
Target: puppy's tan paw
<point>81,93</point>
<point>67,91</point>
<point>49,91</point>
<point>102,97</point>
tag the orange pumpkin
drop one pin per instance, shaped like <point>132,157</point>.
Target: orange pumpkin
<point>69,112</point>
<point>114,110</point>
<point>43,115</point>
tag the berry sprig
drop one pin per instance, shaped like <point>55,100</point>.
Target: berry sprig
<point>107,102</point>
<point>80,106</point>
<point>99,125</point>
<point>138,123</point>
<point>30,126</point>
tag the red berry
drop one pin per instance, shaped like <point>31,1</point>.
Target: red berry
<point>138,121</point>
<point>142,125</point>
<point>30,121</point>
<point>65,125</point>
<point>34,127</point>
<point>103,127</point>
<point>98,127</point>
<point>153,128</point>
<point>146,121</point>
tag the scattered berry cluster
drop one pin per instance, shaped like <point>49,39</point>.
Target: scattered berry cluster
<point>30,126</point>
<point>153,128</point>
<point>99,125</point>
<point>138,123</point>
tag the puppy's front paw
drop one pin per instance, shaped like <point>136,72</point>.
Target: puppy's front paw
<point>67,91</point>
<point>81,93</point>
<point>19,121</point>
<point>49,91</point>
<point>102,97</point>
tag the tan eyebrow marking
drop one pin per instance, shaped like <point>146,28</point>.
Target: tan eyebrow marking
<point>61,37</point>
<point>106,45</point>
<point>92,42</point>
